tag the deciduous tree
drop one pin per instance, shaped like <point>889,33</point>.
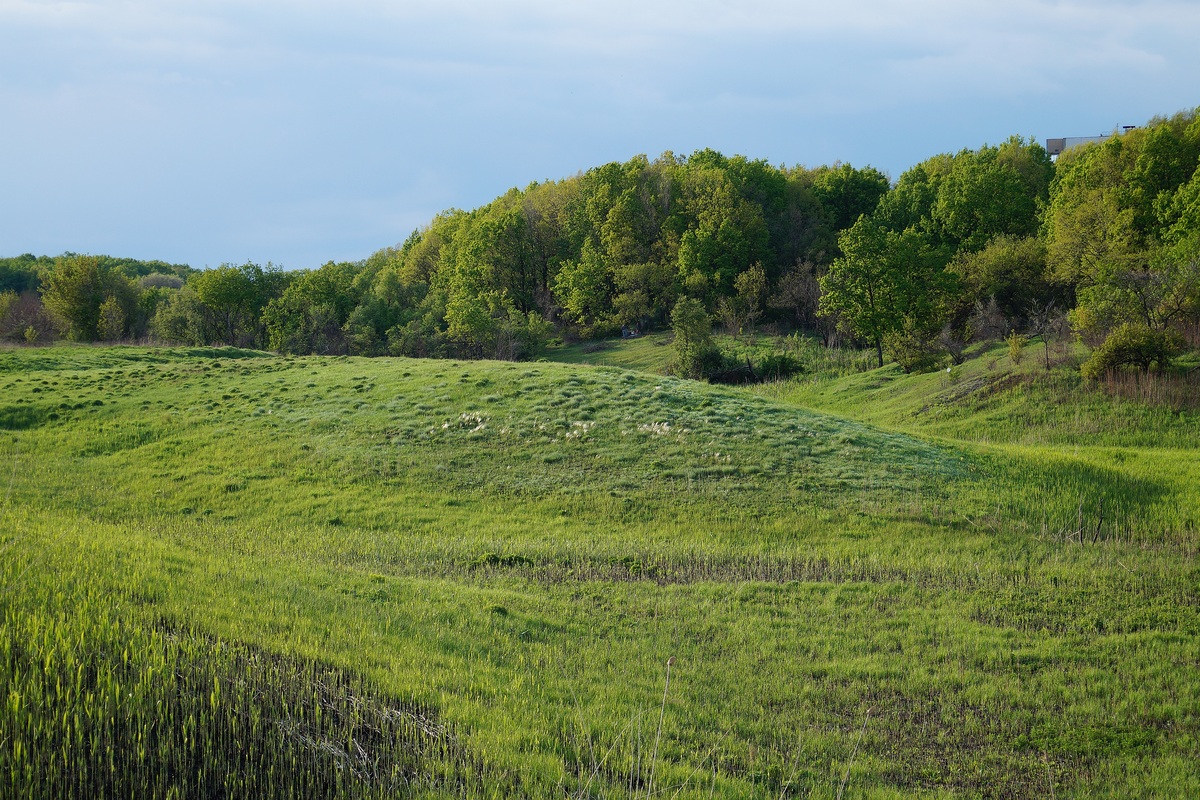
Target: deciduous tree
<point>886,284</point>
<point>78,286</point>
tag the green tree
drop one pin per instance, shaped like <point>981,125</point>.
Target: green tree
<point>1179,214</point>
<point>583,288</point>
<point>76,289</point>
<point>848,193</point>
<point>801,232</point>
<point>150,298</point>
<point>742,310</point>
<point>23,273</point>
<point>860,286</point>
<point>182,319</point>
<point>1010,269</point>
<point>642,291</point>
<point>229,294</point>
<point>310,315</point>
<point>111,326</point>
<point>1133,345</point>
<point>887,285</point>
<point>1154,296</point>
<point>234,298</point>
<point>725,232</point>
<point>751,288</point>
<point>8,304</point>
<point>545,209</point>
<point>990,192</point>
<point>1089,235</point>
<point>695,353</point>
<point>1114,203</point>
<point>797,295</point>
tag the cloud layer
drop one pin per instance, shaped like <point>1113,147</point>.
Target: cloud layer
<point>302,131</point>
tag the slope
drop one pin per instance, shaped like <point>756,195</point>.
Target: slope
<point>519,550</point>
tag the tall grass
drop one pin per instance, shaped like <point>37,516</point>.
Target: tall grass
<point>1176,392</point>
<point>103,704</point>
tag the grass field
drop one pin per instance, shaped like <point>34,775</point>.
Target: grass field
<point>236,574</point>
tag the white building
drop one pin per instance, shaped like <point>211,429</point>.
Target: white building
<point>1056,146</point>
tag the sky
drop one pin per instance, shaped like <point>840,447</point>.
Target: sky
<point>299,132</point>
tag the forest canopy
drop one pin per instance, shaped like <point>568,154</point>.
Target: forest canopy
<point>970,245</point>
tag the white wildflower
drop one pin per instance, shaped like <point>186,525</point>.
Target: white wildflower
<point>579,429</point>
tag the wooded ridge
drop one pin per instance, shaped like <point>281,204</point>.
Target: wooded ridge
<point>1103,242</point>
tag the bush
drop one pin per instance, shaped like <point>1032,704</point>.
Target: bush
<point>1133,345</point>
<point>987,321</point>
<point>1016,346</point>
<point>707,363</point>
<point>913,351</point>
<point>777,366</point>
<point>742,368</point>
<point>695,354</point>
<point>953,344</point>
<point>23,318</point>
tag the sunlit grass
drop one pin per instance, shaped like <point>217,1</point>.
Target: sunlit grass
<point>518,549</point>
<point>989,399</point>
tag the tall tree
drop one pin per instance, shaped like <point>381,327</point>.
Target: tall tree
<point>235,297</point>
<point>860,287</point>
<point>847,193</point>
<point>886,285</point>
<point>310,315</point>
<point>1010,269</point>
<point>76,289</point>
<point>993,191</point>
<point>583,288</point>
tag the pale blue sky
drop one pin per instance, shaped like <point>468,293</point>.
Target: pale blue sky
<point>299,132</point>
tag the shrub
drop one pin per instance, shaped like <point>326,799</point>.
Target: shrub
<point>1132,345</point>
<point>695,354</point>
<point>712,365</point>
<point>23,318</point>
<point>913,351</point>
<point>496,560</point>
<point>987,321</point>
<point>776,366</point>
<point>1016,346</point>
<point>953,344</point>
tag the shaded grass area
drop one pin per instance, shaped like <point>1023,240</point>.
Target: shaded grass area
<point>649,353</point>
<point>518,550</point>
<point>653,353</point>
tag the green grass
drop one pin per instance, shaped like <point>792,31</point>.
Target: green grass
<point>990,399</point>
<point>649,353</point>
<point>512,553</point>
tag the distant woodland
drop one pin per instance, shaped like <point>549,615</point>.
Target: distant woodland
<point>1103,244</point>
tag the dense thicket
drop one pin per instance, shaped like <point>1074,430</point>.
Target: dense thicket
<point>976,244</point>
<point>83,297</point>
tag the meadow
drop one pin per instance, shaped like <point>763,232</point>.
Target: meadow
<point>231,573</point>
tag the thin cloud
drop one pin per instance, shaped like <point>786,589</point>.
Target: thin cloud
<point>235,123</point>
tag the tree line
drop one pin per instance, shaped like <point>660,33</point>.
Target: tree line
<point>1103,243</point>
<point>83,297</point>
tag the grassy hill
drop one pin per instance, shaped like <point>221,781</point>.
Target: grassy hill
<point>988,398</point>
<point>352,577</point>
